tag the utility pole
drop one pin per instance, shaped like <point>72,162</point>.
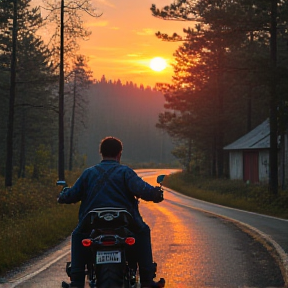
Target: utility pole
<point>9,149</point>
<point>61,162</point>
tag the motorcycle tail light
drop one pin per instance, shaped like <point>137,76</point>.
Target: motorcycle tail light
<point>108,243</point>
<point>86,242</point>
<point>130,240</point>
<point>109,240</point>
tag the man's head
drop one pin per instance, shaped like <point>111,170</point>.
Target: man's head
<point>111,147</point>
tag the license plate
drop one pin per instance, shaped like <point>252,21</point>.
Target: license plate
<point>104,257</point>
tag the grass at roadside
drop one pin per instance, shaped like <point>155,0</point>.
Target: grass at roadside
<point>31,220</point>
<point>28,236</point>
<point>236,194</point>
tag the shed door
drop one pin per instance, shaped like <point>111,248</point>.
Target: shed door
<point>251,168</point>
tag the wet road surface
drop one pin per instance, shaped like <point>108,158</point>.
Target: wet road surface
<point>275,227</point>
<point>200,250</point>
<point>192,249</point>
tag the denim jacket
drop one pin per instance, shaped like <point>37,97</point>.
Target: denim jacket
<point>109,184</point>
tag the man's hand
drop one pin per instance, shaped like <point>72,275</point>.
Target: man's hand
<point>62,196</point>
<point>158,195</point>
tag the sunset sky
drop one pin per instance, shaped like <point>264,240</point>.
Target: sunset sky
<point>123,41</point>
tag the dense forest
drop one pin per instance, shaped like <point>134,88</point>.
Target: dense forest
<point>30,110</point>
<point>129,113</point>
<point>230,74</point>
<point>28,116</point>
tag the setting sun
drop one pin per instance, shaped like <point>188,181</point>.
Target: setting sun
<point>158,64</point>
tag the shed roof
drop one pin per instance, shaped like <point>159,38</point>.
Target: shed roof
<point>258,138</point>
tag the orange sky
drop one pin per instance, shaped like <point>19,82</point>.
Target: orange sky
<point>123,41</point>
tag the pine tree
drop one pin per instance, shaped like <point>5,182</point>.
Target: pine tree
<point>80,80</point>
<point>35,82</point>
<point>231,29</point>
<point>30,68</point>
<point>5,43</point>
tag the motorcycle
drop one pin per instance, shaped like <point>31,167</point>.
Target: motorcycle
<point>110,241</point>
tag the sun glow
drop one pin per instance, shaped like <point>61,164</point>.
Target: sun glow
<point>158,64</point>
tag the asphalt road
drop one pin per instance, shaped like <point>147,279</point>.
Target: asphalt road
<point>275,228</point>
<point>192,248</point>
<point>195,249</point>
<point>240,260</point>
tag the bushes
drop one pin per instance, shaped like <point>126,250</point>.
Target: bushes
<point>232,193</point>
<point>33,234</point>
<point>28,207</point>
<point>26,196</point>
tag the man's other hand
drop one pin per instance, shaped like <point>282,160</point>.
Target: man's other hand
<point>158,196</point>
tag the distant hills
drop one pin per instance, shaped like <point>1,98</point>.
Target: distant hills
<point>130,114</point>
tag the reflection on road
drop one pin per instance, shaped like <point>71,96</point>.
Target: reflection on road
<point>176,249</point>
<point>194,249</point>
<point>174,245</point>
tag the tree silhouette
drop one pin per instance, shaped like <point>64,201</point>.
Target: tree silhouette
<point>26,21</point>
<point>229,29</point>
<point>80,80</point>
<point>72,29</point>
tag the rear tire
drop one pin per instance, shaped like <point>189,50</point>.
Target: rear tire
<point>110,276</point>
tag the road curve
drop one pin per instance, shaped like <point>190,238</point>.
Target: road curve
<point>50,272</point>
<point>271,231</point>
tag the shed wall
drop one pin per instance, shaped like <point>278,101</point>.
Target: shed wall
<point>264,166</point>
<point>251,166</point>
<point>236,165</point>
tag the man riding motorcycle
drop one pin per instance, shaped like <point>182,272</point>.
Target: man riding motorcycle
<point>110,184</point>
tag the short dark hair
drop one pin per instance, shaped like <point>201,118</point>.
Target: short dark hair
<point>110,147</point>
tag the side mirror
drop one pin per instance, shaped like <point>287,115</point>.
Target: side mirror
<point>160,179</point>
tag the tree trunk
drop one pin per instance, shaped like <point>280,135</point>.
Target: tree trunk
<point>249,100</point>
<point>220,118</point>
<point>61,163</point>
<point>273,155</point>
<point>214,162</point>
<point>249,109</point>
<point>22,160</point>
<point>9,150</point>
<point>72,126</point>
